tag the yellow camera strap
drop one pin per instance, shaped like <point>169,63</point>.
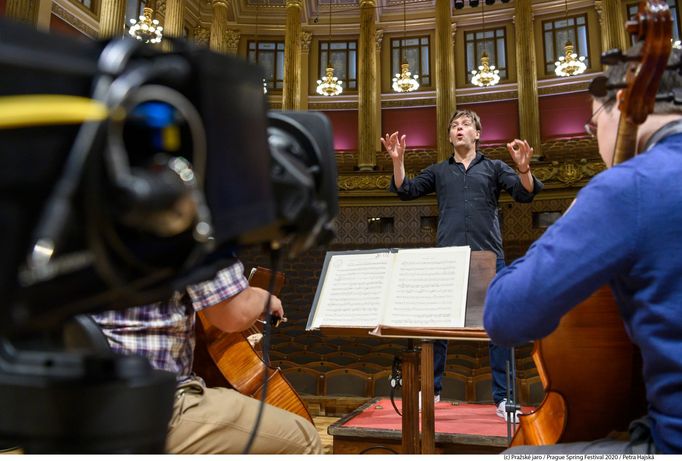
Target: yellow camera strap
<point>48,109</point>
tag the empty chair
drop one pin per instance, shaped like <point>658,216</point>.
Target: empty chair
<point>356,348</point>
<point>287,348</point>
<point>322,348</point>
<point>303,357</point>
<point>454,386</point>
<point>323,365</point>
<point>367,367</point>
<point>284,364</point>
<point>390,348</point>
<point>347,382</point>
<point>382,386</point>
<point>341,357</point>
<point>380,358</point>
<point>482,388</point>
<point>306,381</point>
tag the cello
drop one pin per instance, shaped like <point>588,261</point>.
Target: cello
<point>590,370</point>
<point>229,360</point>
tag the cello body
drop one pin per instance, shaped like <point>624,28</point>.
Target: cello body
<point>228,360</point>
<point>592,376</point>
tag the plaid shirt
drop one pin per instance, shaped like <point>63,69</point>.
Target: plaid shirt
<point>163,332</point>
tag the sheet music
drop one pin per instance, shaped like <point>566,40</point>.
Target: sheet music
<point>429,288</point>
<point>354,290</point>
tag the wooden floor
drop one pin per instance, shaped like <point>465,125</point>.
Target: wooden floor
<point>322,423</point>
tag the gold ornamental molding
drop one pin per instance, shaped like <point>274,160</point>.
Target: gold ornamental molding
<point>568,173</point>
<point>332,105</point>
<point>553,175</point>
<point>409,102</point>
<point>566,88</point>
<point>487,97</point>
<point>74,20</point>
<point>364,182</point>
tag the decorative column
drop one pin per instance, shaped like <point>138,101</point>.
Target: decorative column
<point>612,23</point>
<point>291,95</point>
<point>174,17</point>
<point>174,20</point>
<point>112,16</point>
<point>218,26</point>
<point>367,88</point>
<point>526,75</point>
<point>445,77</point>
<point>379,37</point>
<point>306,41</point>
<point>232,41</point>
<point>22,10</point>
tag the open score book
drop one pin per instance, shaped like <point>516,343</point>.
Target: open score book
<point>413,288</point>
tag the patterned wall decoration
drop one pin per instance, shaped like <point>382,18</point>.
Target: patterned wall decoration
<point>352,226</point>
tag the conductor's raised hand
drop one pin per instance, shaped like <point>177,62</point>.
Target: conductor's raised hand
<point>521,153</point>
<point>395,146</point>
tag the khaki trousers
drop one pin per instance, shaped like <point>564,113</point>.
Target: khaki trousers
<point>220,420</point>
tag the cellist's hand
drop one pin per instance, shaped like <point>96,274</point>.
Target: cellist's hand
<point>276,309</point>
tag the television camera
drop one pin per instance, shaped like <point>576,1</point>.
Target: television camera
<point>129,173</point>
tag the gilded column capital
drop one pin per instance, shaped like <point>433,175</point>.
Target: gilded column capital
<point>201,34</point>
<point>161,7</point>
<point>599,8</point>
<point>368,3</point>
<point>220,3</point>
<point>231,38</point>
<point>379,38</point>
<point>294,3</point>
<point>306,41</point>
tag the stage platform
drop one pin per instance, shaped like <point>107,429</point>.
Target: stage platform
<point>374,428</point>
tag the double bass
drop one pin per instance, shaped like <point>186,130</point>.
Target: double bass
<point>590,370</point>
<point>229,360</point>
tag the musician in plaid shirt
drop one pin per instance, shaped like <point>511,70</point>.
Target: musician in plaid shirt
<point>208,420</point>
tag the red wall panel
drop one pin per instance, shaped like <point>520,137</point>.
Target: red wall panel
<point>60,26</point>
<point>345,127</point>
<point>564,115</point>
<point>499,120</point>
<point>418,123</point>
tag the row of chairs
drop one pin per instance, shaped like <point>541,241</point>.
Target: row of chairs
<point>350,382</point>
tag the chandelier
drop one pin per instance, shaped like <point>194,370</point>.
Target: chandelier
<point>145,28</point>
<point>329,85</point>
<point>405,81</point>
<point>570,63</point>
<point>486,75</point>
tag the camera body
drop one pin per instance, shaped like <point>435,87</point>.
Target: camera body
<point>186,166</point>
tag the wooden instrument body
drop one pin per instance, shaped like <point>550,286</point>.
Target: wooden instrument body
<point>228,360</point>
<point>592,377</point>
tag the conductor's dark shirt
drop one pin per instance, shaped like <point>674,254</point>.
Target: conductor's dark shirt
<point>468,199</point>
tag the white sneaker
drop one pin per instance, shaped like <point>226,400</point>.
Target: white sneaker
<point>436,399</point>
<point>502,412</point>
